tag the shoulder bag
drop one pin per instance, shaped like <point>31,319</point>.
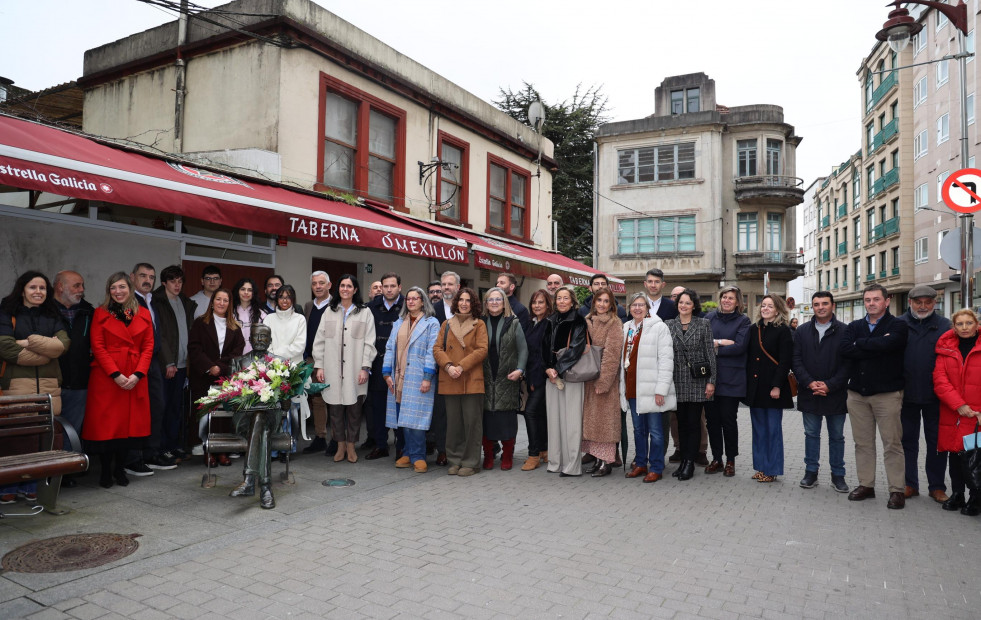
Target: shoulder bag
<point>791,379</point>
<point>588,366</point>
<point>698,370</point>
<point>970,460</point>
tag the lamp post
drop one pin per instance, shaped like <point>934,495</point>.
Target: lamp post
<point>897,31</point>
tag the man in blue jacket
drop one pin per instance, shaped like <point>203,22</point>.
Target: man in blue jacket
<point>822,377</point>
<point>875,346</point>
<point>925,328</point>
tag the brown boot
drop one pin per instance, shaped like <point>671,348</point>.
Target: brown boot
<point>543,455</point>
<point>531,463</point>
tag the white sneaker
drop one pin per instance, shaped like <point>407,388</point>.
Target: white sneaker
<point>197,450</point>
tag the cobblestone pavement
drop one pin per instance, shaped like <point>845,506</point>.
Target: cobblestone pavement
<point>506,544</point>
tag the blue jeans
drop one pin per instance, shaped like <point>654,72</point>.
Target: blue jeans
<point>173,415</point>
<point>767,440</point>
<point>414,438</point>
<point>836,442</point>
<point>648,438</point>
<point>73,409</point>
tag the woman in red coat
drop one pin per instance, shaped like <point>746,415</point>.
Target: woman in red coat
<point>957,383</point>
<point>214,341</point>
<point>118,401</point>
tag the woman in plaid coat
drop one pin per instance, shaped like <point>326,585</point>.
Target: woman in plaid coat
<point>693,350</point>
<point>410,370</point>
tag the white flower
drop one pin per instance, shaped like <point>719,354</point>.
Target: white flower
<point>265,395</point>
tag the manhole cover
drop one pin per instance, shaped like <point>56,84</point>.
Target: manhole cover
<point>338,482</point>
<point>74,552</point>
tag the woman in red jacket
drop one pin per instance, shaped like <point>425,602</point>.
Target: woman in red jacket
<point>957,383</point>
<point>118,401</point>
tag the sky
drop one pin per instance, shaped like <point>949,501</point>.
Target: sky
<point>802,56</point>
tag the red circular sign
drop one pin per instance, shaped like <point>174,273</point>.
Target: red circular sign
<point>961,191</point>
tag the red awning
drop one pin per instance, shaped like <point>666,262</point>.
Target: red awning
<point>497,255</point>
<point>42,158</point>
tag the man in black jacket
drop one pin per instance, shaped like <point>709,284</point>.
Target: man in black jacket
<point>925,328</point>
<point>507,282</point>
<point>175,314</point>
<point>822,377</point>
<point>69,296</point>
<point>875,346</point>
<point>660,305</point>
<point>385,308</point>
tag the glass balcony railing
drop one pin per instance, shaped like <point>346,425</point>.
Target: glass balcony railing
<point>895,271</point>
<point>890,227</point>
<point>870,277</point>
<point>888,131</point>
<point>884,87</point>
<point>885,182</point>
<point>842,210</point>
<point>842,248</point>
<point>826,255</point>
<point>825,221</point>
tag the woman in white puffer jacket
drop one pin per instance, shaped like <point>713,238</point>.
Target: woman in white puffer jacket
<point>289,337</point>
<point>647,385</point>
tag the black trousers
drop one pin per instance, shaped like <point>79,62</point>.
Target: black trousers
<point>723,431</point>
<point>536,421</point>
<point>689,433</point>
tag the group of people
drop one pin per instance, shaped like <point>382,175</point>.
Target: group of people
<point>449,372</point>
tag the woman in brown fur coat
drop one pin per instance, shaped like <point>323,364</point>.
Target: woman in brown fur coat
<point>601,403</point>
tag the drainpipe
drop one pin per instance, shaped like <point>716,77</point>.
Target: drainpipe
<point>179,86</point>
<point>596,204</point>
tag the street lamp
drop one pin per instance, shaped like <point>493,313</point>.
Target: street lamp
<point>897,32</point>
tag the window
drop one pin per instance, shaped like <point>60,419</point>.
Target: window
<point>895,207</point>
<point>453,184</point>
<point>507,198</point>
<point>920,141</point>
<point>870,173</point>
<point>869,137</point>
<point>870,266</point>
<point>943,128</point>
<point>773,151</point>
<point>836,278</point>
<point>857,186</point>
<point>870,220</point>
<point>941,20</point>
<point>940,239</point>
<point>746,158</point>
<point>919,42</point>
<point>693,98</point>
<point>921,197</point>
<point>920,91</point>
<point>943,73</point>
<point>363,143</point>
<point>882,262</point>
<point>857,226</point>
<point>969,45</point>
<point>774,232</point>
<point>970,109</point>
<point>895,261</point>
<point>894,159</point>
<point>661,234</point>
<point>669,162</point>
<point>857,271</point>
<point>869,90</point>
<point>940,183</point>
<point>921,252</point>
<point>746,230</point>
<point>677,102</point>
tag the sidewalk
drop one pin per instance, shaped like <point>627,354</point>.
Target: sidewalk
<point>505,545</point>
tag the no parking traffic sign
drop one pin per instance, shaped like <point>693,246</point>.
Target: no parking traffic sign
<point>961,191</point>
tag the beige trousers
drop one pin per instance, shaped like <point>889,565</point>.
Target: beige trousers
<point>563,410</point>
<point>880,411</point>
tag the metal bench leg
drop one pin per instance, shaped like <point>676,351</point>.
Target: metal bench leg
<point>47,495</point>
<point>36,510</point>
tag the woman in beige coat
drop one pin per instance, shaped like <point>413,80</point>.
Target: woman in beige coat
<point>460,349</point>
<point>343,350</point>
<point>601,402</point>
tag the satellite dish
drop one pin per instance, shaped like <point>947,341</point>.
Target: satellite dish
<point>536,115</point>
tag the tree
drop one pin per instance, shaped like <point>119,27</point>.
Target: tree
<point>570,126</point>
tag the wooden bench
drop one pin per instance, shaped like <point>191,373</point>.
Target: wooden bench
<point>219,443</point>
<point>27,428</point>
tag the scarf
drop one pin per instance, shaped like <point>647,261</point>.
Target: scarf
<point>461,325</point>
<point>123,314</point>
<point>402,354</point>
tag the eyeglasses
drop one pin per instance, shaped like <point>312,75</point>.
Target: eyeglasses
<point>212,278</point>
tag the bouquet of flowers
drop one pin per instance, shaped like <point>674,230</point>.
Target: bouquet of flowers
<point>266,382</point>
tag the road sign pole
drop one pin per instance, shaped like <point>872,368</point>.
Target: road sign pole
<point>967,220</point>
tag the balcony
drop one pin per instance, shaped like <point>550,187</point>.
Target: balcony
<point>886,134</point>
<point>770,189</point>
<point>780,265</point>
<point>885,86</point>
<point>825,221</point>
<point>888,180</point>
<point>895,271</point>
<point>842,248</point>
<point>842,210</point>
<point>826,255</point>
<point>844,285</point>
<point>886,229</point>
<point>869,278</point>
<point>882,274</point>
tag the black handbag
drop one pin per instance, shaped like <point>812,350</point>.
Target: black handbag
<point>970,461</point>
<point>698,370</point>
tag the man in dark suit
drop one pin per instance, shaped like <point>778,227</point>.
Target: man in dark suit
<point>313,311</point>
<point>385,308</point>
<point>660,305</point>
<point>507,282</point>
<point>143,278</point>
<point>597,282</point>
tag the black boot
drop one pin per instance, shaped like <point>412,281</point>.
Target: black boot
<point>687,470</point>
<point>105,474</point>
<point>246,489</point>
<point>265,496</point>
<point>973,507</point>
<point>331,448</point>
<point>954,502</point>
<point>602,469</point>
<point>118,472</point>
<point>319,444</point>
<point>595,466</point>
